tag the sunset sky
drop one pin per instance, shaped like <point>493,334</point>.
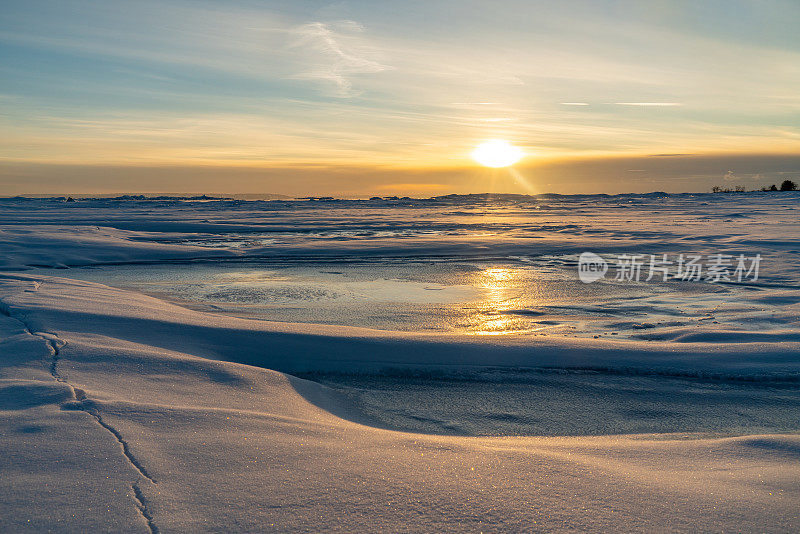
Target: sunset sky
<point>356,98</point>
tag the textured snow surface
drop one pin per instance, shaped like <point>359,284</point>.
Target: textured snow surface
<point>56,233</point>
<point>124,413</point>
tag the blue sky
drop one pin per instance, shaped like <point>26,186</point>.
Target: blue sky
<point>387,88</point>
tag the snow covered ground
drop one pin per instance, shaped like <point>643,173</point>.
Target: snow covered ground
<point>125,412</point>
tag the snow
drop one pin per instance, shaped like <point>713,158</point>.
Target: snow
<point>61,246</point>
<point>124,412</point>
<point>53,232</point>
<point>121,411</point>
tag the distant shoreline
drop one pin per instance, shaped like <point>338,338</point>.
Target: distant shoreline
<point>272,197</point>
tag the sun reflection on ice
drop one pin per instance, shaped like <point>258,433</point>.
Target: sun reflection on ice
<point>501,294</point>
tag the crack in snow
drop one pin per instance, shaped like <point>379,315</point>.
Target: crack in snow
<point>126,451</point>
<point>53,342</point>
<point>141,504</point>
<point>54,345</point>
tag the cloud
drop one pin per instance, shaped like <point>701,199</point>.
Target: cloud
<point>412,187</point>
<point>497,119</point>
<point>469,105</point>
<point>649,104</point>
<point>338,52</point>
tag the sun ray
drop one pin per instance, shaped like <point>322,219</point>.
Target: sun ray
<point>522,181</point>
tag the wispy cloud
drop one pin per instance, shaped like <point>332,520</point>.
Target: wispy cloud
<point>340,52</point>
<point>497,119</point>
<point>649,104</point>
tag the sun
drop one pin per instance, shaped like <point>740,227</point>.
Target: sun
<point>497,153</point>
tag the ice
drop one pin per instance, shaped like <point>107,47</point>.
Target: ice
<point>125,412</point>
